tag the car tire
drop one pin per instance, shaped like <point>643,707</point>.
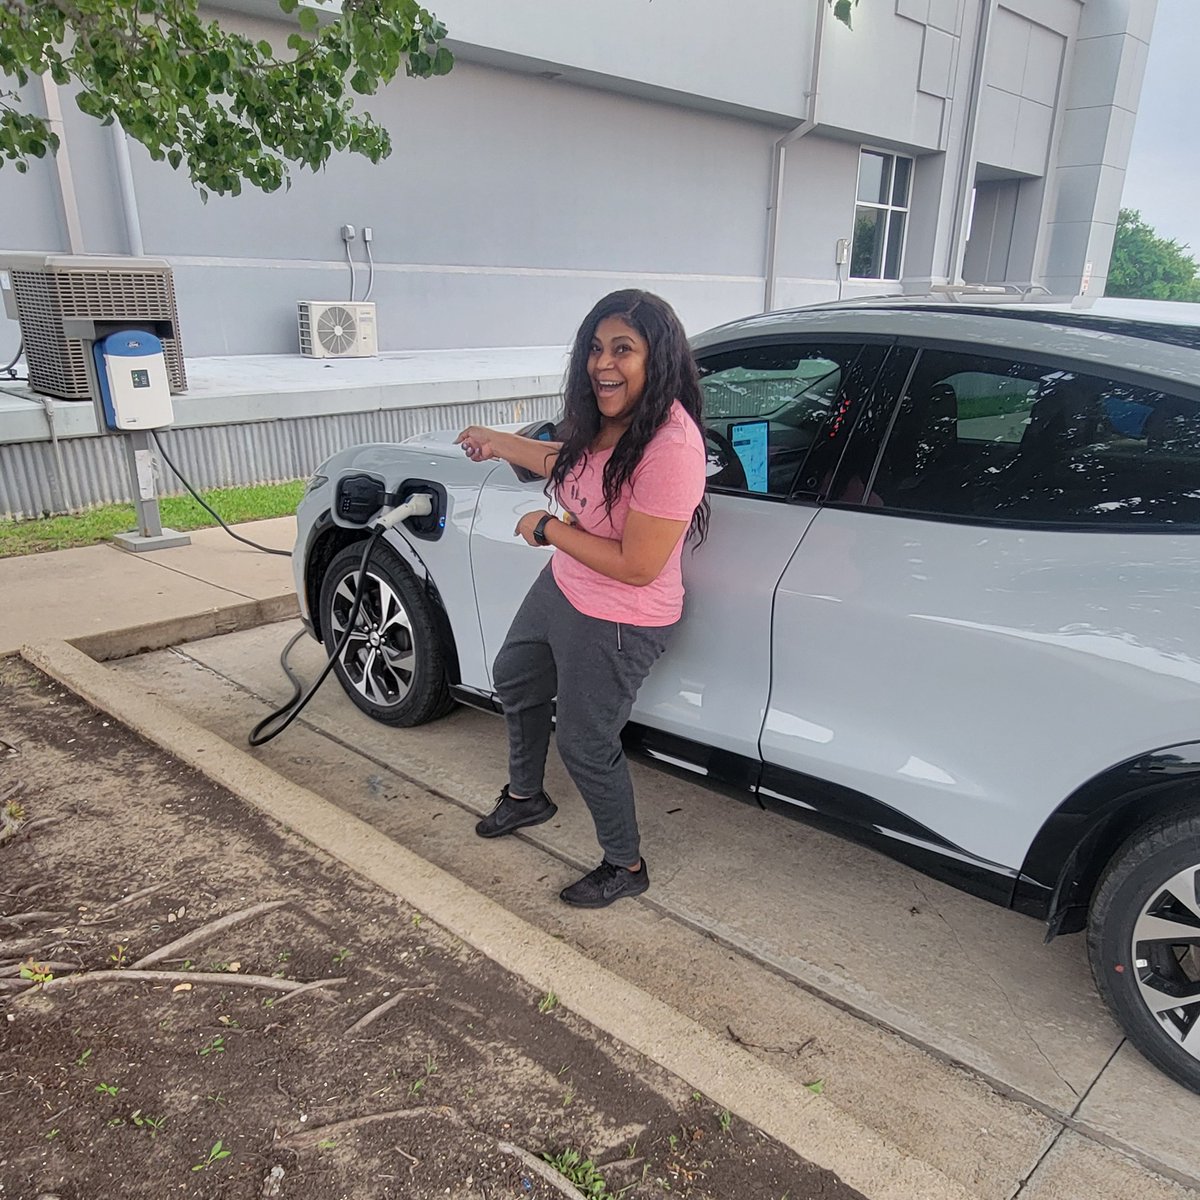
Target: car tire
<point>1144,942</point>
<point>394,666</point>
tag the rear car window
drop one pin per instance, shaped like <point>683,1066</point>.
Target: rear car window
<point>988,438</point>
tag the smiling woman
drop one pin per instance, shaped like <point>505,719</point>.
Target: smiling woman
<point>629,479</point>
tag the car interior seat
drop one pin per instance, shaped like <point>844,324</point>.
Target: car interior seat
<point>1066,417</point>
<point>925,436</point>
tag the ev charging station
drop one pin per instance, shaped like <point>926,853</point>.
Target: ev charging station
<point>133,396</point>
<point>104,330</point>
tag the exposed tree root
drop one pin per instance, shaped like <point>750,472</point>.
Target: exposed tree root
<point>224,978</point>
<point>205,931</point>
<point>310,987</point>
<point>543,1170</point>
<point>386,1006</point>
<point>306,1139</point>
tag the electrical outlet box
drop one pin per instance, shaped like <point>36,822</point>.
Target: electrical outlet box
<point>348,233</point>
<point>368,233</point>
<point>841,251</point>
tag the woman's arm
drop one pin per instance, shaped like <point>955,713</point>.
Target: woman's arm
<point>481,443</point>
<point>638,558</point>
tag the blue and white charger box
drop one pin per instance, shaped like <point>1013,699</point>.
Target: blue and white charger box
<point>134,387</point>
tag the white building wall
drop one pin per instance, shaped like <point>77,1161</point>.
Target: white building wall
<point>752,56</point>
<point>573,151</point>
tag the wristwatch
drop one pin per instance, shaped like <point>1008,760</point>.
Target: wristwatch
<point>539,530</point>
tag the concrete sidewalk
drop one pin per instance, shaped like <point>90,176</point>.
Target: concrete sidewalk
<point>215,585</point>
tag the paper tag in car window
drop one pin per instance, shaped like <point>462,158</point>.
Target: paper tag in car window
<point>749,440</point>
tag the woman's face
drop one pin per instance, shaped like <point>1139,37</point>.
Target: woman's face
<point>617,369</point>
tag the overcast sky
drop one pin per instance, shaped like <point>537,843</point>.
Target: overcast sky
<point>1164,166</point>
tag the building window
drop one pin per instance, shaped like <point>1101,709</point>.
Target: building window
<point>880,215</point>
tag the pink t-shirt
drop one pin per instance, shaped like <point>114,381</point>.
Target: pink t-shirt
<point>669,483</point>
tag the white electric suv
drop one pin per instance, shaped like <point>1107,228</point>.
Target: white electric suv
<point>949,605</point>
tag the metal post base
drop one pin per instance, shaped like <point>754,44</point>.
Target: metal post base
<point>139,543</point>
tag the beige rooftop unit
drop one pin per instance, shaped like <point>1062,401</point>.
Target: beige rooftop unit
<point>61,301</point>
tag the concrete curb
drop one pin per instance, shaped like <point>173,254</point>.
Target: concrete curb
<point>158,635</point>
<point>728,1074</point>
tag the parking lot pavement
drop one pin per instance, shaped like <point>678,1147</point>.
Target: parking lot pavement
<point>833,961</point>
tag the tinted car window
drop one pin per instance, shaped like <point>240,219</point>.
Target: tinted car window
<point>771,411</point>
<point>989,438</point>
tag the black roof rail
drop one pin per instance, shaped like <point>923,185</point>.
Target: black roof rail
<point>1186,336</point>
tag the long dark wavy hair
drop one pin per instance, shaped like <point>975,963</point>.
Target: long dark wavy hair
<point>670,375</point>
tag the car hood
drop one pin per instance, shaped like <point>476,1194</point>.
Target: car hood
<point>442,441</point>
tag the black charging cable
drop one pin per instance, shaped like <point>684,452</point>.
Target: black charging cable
<point>299,699</point>
<point>416,505</point>
<point>205,505</point>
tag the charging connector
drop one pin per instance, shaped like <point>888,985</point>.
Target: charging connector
<point>419,504</point>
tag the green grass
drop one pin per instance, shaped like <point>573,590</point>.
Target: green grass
<point>178,512</point>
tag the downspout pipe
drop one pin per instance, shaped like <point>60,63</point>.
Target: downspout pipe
<point>779,159</point>
<point>62,166</point>
<point>129,205</point>
<point>966,166</point>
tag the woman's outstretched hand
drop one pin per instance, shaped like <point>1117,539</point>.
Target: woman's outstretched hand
<point>477,443</point>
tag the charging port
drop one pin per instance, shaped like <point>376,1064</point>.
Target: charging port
<point>358,499</point>
<point>427,528</point>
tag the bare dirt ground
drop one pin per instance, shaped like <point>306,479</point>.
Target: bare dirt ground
<point>417,1069</point>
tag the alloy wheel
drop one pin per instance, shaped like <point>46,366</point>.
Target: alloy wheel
<point>1166,957</point>
<point>379,657</point>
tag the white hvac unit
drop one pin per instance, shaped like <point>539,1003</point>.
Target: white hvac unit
<point>337,329</point>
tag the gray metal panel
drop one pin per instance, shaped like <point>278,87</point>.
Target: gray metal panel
<point>94,471</point>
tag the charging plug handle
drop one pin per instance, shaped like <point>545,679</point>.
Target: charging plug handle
<point>419,504</point>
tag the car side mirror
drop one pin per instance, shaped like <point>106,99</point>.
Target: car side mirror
<point>542,431</point>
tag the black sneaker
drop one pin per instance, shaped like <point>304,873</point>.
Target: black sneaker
<point>608,882</point>
<point>510,815</point>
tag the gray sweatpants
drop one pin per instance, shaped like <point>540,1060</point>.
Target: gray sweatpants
<point>595,667</point>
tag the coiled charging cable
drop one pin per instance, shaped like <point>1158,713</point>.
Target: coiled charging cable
<point>419,504</point>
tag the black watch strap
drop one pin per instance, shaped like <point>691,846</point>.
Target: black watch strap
<point>539,530</point>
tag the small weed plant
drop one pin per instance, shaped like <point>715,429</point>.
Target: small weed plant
<point>36,972</point>
<point>548,1003</point>
<point>215,1046</point>
<point>150,1124</point>
<point>215,1155</point>
<point>583,1173</point>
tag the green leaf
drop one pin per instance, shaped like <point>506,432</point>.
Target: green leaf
<point>211,101</point>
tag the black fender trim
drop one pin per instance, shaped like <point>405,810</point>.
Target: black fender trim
<point>1071,849</point>
<point>474,698</point>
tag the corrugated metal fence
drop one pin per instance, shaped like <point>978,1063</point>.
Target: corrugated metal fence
<point>93,469</point>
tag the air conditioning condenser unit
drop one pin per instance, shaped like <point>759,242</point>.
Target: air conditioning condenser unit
<point>337,329</point>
